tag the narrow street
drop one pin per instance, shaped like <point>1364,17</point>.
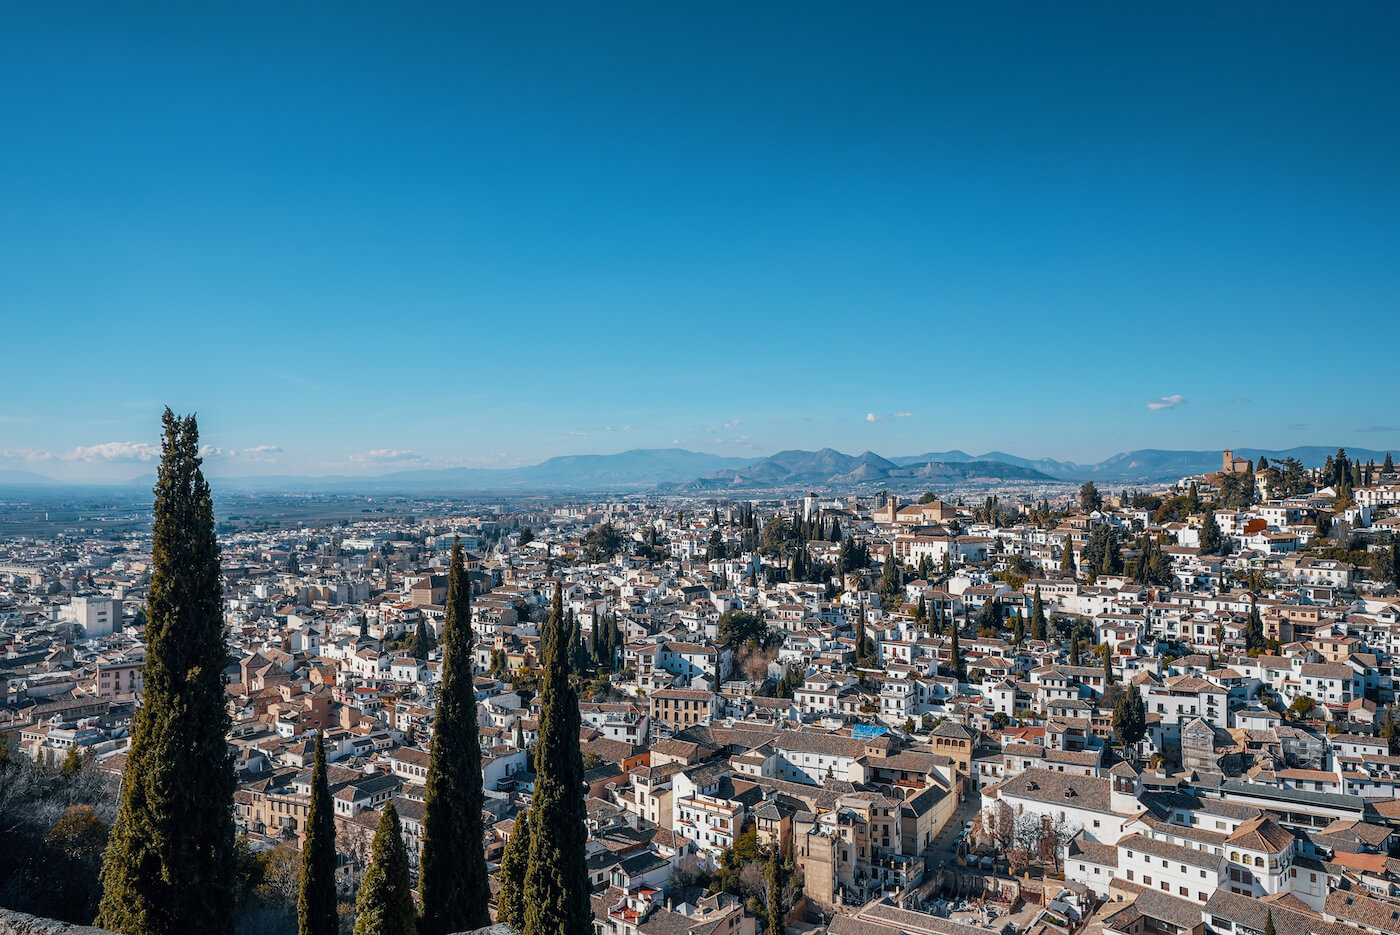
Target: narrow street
<point>941,850</point>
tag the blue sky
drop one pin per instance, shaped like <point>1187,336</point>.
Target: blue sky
<point>360,237</point>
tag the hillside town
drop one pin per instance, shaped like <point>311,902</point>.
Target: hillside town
<point>1150,710</point>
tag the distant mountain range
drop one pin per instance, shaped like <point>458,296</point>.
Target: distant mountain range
<point>829,467</point>
<point>1145,464</point>
<point>679,470</point>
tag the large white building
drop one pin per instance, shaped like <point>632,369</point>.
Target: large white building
<point>98,616</point>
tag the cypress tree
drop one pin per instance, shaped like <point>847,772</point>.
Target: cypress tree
<point>384,905</point>
<point>1269,923</point>
<point>862,655</point>
<point>1254,628</point>
<point>423,642</point>
<point>1037,616</point>
<point>1067,556</point>
<point>776,910</point>
<point>316,902</point>
<point>1074,650</point>
<point>453,879</point>
<point>169,864</point>
<point>510,900</point>
<point>1018,629</point>
<point>1107,665</point>
<point>556,882</point>
<point>1211,540</point>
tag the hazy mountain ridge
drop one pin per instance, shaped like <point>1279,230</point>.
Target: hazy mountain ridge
<point>829,467</point>
<point>681,469</point>
<point>1147,464</point>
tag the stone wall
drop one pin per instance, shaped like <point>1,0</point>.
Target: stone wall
<point>19,923</point>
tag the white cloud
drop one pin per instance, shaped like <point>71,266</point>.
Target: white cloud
<point>580,434</point>
<point>263,454</point>
<point>143,452</point>
<point>739,441</point>
<point>259,454</point>
<point>114,451</point>
<point>872,417</point>
<point>381,455</point>
<point>733,422</point>
<point>26,455</point>
<point>902,415</point>
<point>1166,402</point>
<point>675,441</point>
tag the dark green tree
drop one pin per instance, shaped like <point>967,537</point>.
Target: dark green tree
<point>1067,555</point>
<point>453,881</point>
<point>169,865</point>
<point>423,642</point>
<point>72,763</point>
<point>1269,923</point>
<point>1037,616</point>
<point>777,911</point>
<point>1018,629</point>
<point>384,905</point>
<point>1129,719</point>
<point>556,883</point>
<point>792,680</point>
<point>891,588</point>
<point>1107,665</point>
<point>1089,497</point>
<point>1211,540</point>
<point>1253,628</point>
<point>988,616</point>
<point>865,647</point>
<point>738,628</point>
<point>1074,650</point>
<point>316,901</point>
<point>1102,554</point>
<point>510,899</point>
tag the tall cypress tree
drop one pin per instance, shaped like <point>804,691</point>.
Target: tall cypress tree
<point>316,902</point>
<point>453,879</point>
<point>510,899</point>
<point>384,905</point>
<point>423,642</point>
<point>777,911</point>
<point>1253,628</point>
<point>1037,616</point>
<point>556,883</point>
<point>169,865</point>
